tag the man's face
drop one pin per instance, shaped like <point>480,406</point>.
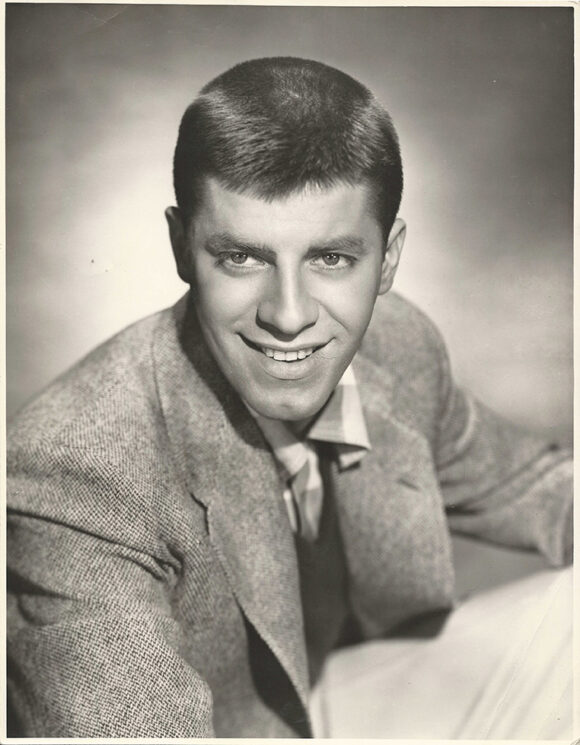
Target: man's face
<point>284,290</point>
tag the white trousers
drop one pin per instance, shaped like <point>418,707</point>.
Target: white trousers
<point>501,668</point>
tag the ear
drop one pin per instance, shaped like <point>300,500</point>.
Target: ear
<point>177,236</point>
<point>392,255</point>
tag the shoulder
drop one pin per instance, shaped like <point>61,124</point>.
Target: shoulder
<point>408,359</point>
<point>106,389</point>
<point>91,451</point>
<point>403,337</point>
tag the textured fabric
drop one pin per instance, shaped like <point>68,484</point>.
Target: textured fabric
<point>341,422</point>
<point>153,581</point>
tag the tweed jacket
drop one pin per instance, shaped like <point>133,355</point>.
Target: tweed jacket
<point>153,584</point>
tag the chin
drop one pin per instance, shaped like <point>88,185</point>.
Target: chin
<point>288,411</point>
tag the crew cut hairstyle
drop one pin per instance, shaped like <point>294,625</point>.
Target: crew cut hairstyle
<point>272,126</point>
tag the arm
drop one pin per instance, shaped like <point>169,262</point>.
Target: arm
<point>93,649</point>
<point>499,482</point>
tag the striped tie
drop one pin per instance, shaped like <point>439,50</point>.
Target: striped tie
<point>307,491</point>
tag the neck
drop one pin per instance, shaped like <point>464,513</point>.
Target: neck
<point>299,427</point>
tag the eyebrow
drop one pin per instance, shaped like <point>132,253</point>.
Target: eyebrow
<point>226,242</point>
<point>344,243</point>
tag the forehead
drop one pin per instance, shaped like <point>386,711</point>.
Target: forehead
<point>309,215</point>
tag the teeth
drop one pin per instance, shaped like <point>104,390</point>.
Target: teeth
<point>276,354</point>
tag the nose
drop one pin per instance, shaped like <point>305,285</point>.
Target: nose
<point>287,307</point>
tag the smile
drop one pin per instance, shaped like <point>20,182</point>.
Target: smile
<point>282,355</point>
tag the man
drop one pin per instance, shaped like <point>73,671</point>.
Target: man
<point>210,502</point>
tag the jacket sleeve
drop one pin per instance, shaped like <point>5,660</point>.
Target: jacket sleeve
<point>499,482</point>
<point>93,647</point>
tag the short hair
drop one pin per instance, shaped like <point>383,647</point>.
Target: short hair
<point>272,126</point>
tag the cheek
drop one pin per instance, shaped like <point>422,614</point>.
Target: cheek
<point>222,300</point>
<point>351,302</point>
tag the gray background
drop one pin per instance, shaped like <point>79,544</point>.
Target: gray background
<point>482,99</point>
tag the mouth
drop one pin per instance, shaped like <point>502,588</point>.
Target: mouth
<point>282,355</point>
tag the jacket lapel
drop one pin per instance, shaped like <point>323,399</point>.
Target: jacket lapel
<point>227,466</point>
<point>392,520</point>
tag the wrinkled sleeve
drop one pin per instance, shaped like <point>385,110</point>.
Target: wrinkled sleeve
<point>499,482</point>
<point>93,647</point>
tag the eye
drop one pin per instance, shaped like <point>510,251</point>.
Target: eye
<point>239,259</point>
<point>331,260</point>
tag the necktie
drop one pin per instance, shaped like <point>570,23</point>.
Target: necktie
<point>307,491</point>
